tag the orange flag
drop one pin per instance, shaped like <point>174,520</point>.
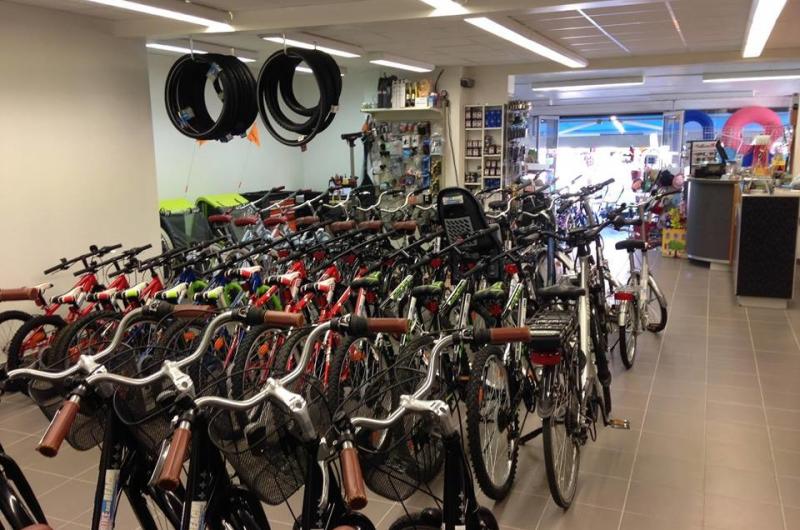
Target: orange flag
<point>253,136</point>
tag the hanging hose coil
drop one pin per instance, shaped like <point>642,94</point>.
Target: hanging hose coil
<point>275,85</point>
<point>185,99</point>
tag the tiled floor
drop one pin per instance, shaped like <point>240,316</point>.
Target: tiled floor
<point>714,404</point>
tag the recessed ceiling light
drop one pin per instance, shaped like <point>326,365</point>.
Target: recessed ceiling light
<point>304,69</point>
<point>588,84</point>
<point>530,40</point>
<point>201,48</point>
<point>735,77</point>
<point>212,25</point>
<point>446,7</point>
<point>312,42</point>
<point>401,63</point>
<point>763,16</point>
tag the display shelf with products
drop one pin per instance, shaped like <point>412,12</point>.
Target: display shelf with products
<point>484,145</point>
<point>517,122</point>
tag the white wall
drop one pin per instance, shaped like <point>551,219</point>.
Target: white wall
<point>328,154</point>
<point>188,169</point>
<point>76,146</point>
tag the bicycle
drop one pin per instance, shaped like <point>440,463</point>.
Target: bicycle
<point>640,305</point>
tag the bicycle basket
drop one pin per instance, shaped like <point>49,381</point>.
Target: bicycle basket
<point>148,410</point>
<point>262,444</point>
<point>398,461</point>
<point>87,429</point>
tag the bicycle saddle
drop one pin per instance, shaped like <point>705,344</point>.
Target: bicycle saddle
<point>433,290</point>
<point>493,292</point>
<point>561,292</point>
<point>372,281</point>
<point>630,245</point>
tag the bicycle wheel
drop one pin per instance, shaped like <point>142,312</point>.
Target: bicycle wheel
<point>359,380</point>
<point>561,446</point>
<point>86,336</point>
<point>656,308</point>
<point>10,322</point>
<point>629,330</point>
<point>32,340</point>
<point>492,423</point>
<point>253,360</point>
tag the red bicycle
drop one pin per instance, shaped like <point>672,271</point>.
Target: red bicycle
<point>37,333</point>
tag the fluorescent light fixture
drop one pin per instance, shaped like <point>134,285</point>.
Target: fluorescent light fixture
<point>184,46</point>
<point>314,42</point>
<point>588,84</point>
<point>617,125</point>
<point>735,77</point>
<point>530,40</point>
<point>446,7</point>
<point>211,24</point>
<point>763,16</point>
<point>303,69</point>
<point>401,63</point>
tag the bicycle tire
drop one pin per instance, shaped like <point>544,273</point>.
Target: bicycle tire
<point>662,303</point>
<point>474,397</point>
<point>344,361</point>
<point>240,366</point>
<point>15,354</point>
<point>628,340</point>
<point>11,316</point>
<point>57,355</point>
<point>561,498</point>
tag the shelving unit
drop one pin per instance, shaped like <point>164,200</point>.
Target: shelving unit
<point>484,169</point>
<point>404,154</point>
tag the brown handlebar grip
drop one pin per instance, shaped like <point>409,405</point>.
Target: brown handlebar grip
<point>59,428</point>
<point>342,226</point>
<point>355,493</point>
<point>22,293</point>
<point>387,325</point>
<point>505,335</point>
<point>408,227</point>
<point>308,220</point>
<point>370,226</point>
<point>190,311</point>
<point>170,477</point>
<point>283,319</point>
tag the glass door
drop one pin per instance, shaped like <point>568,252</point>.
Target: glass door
<point>672,139</point>
<point>546,135</point>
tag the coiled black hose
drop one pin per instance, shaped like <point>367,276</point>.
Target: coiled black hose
<point>275,84</point>
<point>184,96</point>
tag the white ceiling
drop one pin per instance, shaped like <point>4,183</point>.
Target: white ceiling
<point>615,35</point>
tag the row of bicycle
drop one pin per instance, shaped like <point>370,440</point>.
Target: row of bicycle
<point>322,339</point>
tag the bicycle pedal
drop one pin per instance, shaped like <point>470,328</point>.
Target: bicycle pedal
<point>616,423</point>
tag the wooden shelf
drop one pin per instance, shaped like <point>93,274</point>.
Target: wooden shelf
<point>473,158</point>
<point>405,114</point>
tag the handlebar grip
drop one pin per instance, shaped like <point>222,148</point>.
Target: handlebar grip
<point>170,477</point>
<point>54,268</point>
<point>108,248</point>
<point>59,427</point>
<point>355,493</point>
<point>161,309</point>
<point>256,316</point>
<point>502,335</point>
<point>342,226</point>
<point>370,225</point>
<point>277,189</point>
<point>362,326</point>
<point>607,182</point>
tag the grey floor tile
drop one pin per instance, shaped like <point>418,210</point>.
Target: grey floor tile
<point>785,419</point>
<point>735,394</point>
<point>733,413</point>
<point>677,507</point>
<point>758,486</point>
<point>738,455</point>
<point>671,445</point>
<point>752,435</point>
<point>785,439</point>
<point>730,513</point>
<point>666,471</point>
<point>787,463</point>
<point>579,517</point>
<point>790,491</point>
